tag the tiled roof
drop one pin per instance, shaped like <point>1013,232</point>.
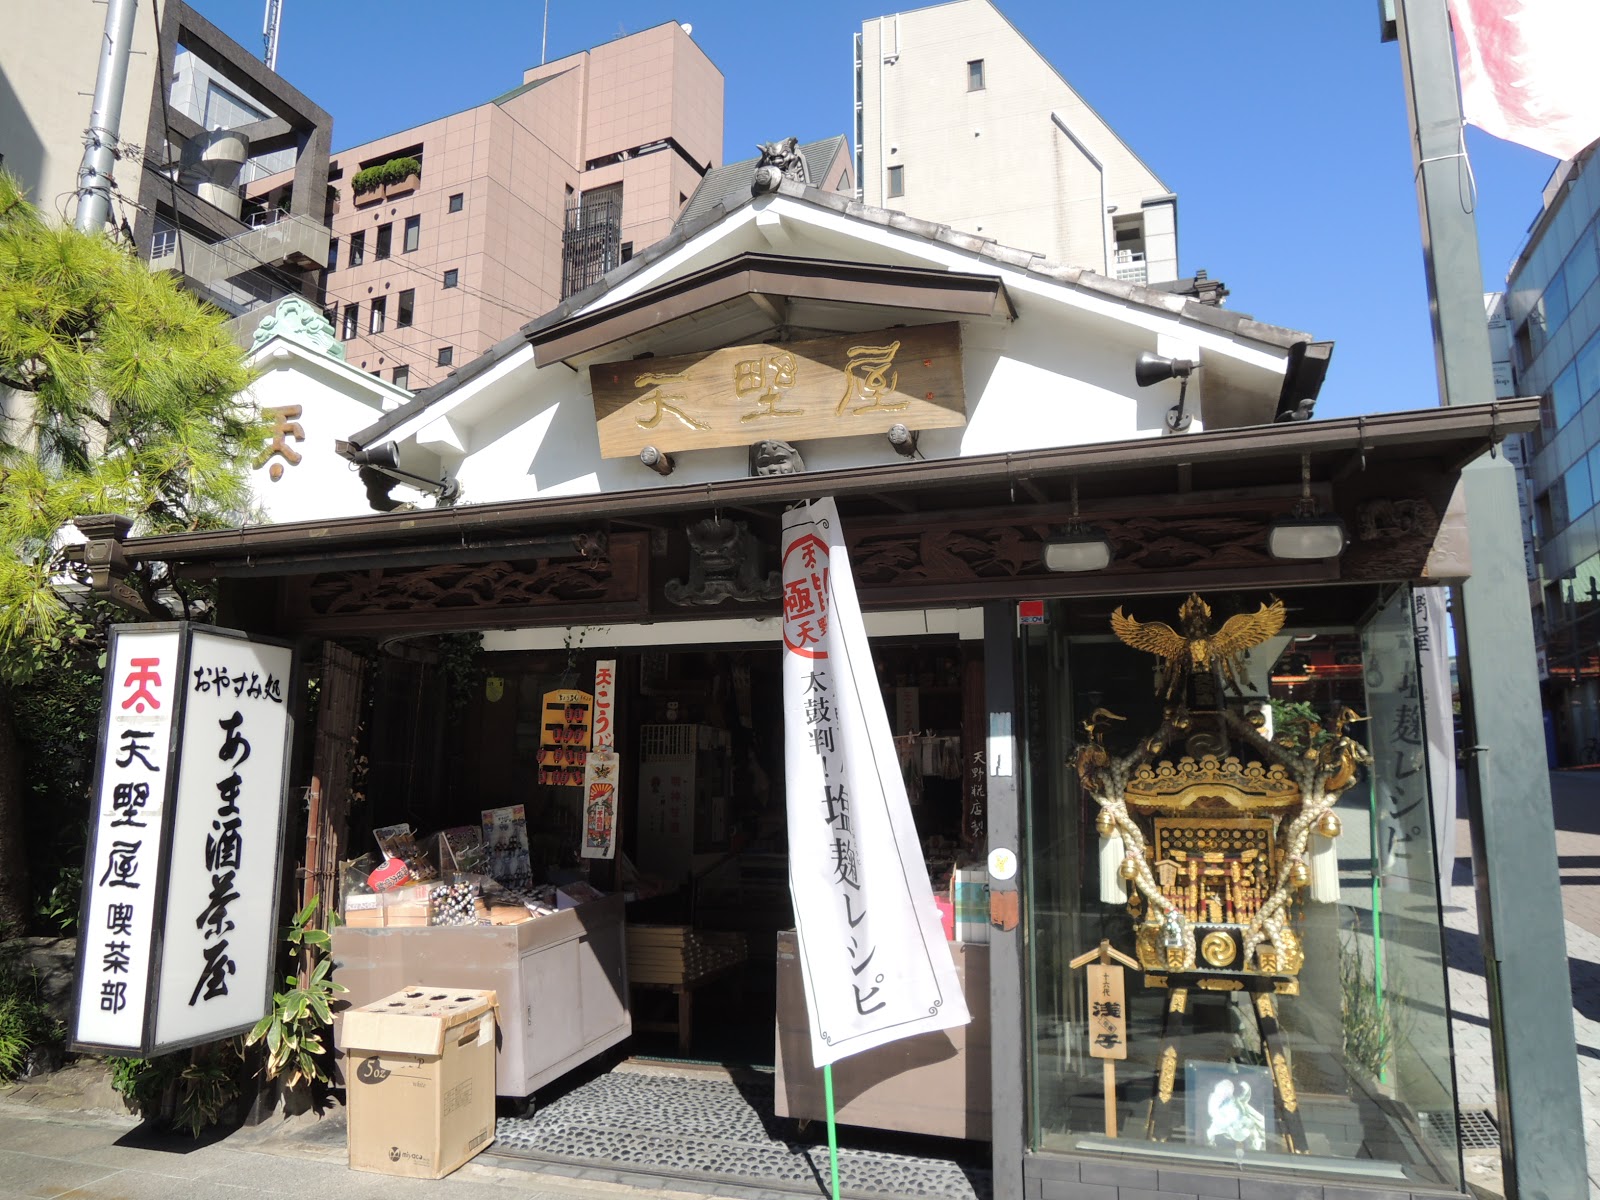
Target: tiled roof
<point>729,185</point>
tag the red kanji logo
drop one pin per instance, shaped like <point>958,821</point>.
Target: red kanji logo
<point>805,595</point>
<point>141,679</point>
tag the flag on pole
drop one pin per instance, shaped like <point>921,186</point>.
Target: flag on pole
<point>1527,71</point>
<point>872,949</point>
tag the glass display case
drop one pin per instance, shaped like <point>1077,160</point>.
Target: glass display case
<point>1245,823</point>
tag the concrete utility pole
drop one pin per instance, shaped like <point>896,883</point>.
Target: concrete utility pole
<point>105,120</point>
<point>1508,783</point>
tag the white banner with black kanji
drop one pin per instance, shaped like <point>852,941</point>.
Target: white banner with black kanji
<point>875,961</point>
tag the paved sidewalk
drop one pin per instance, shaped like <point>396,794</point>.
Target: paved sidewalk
<point>1576,798</point>
<point>100,1156</point>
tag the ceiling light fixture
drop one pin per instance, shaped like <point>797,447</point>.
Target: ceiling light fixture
<point>1306,533</point>
<point>1078,547</point>
<point>1154,368</point>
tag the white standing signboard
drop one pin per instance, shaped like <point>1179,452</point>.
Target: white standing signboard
<point>876,964</point>
<point>205,869</point>
<point>218,952</point>
<point>122,877</point>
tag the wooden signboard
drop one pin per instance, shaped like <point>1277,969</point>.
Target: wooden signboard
<point>1108,1016</point>
<point>564,737</point>
<point>1108,1021</point>
<point>860,383</point>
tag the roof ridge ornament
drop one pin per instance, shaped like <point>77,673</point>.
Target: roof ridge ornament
<point>297,320</point>
<point>779,161</point>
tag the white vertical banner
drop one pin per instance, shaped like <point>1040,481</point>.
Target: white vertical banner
<point>1428,609</point>
<point>121,887</point>
<point>219,950</point>
<point>873,954</point>
<point>178,935</point>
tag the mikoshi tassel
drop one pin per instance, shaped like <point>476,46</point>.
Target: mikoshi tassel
<point>1113,887</point>
<point>1323,858</point>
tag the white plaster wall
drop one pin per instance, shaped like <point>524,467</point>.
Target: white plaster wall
<point>335,400</point>
<point>1060,374</point>
<point>992,162</point>
<point>1040,381</point>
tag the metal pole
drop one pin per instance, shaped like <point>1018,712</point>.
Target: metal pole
<point>1508,788</point>
<point>105,120</point>
<point>544,37</point>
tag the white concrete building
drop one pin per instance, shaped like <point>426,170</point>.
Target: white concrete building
<point>960,120</point>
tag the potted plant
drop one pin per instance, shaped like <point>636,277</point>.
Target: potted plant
<point>366,186</point>
<point>401,175</point>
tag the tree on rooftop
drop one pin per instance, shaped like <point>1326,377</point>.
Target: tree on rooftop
<point>118,394</point>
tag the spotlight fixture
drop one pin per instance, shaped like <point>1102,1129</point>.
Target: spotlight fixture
<point>1078,547</point>
<point>1306,533</point>
<point>380,467</point>
<point>657,461</point>
<point>1154,368</point>
<point>903,440</point>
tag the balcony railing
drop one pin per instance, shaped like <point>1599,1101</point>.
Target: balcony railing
<point>591,243</point>
<point>1130,267</point>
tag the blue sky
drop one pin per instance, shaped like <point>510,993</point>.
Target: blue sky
<point>1281,126</point>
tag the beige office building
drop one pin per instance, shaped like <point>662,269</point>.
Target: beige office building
<point>960,120</point>
<point>520,201</point>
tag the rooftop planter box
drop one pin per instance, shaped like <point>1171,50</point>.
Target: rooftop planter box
<point>393,178</point>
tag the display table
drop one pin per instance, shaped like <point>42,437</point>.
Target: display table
<point>935,1083</point>
<point>678,959</point>
<point>562,982</point>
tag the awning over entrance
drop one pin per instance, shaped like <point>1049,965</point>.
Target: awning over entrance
<point>1180,513</point>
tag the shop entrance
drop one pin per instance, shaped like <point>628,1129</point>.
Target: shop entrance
<point>701,824</point>
<point>701,873</point>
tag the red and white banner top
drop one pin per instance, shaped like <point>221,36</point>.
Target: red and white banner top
<point>1527,71</point>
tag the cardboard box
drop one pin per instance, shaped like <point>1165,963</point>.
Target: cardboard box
<point>404,907</point>
<point>420,1080</point>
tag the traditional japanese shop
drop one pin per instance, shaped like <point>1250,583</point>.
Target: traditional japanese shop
<point>1157,701</point>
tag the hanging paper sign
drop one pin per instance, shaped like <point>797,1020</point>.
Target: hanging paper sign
<point>872,947</point>
<point>600,805</point>
<point>187,840</point>
<point>1108,1018</point>
<point>605,682</point>
<point>564,732</point>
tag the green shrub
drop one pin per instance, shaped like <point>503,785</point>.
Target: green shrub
<point>199,1084</point>
<point>371,178</point>
<point>25,1023</point>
